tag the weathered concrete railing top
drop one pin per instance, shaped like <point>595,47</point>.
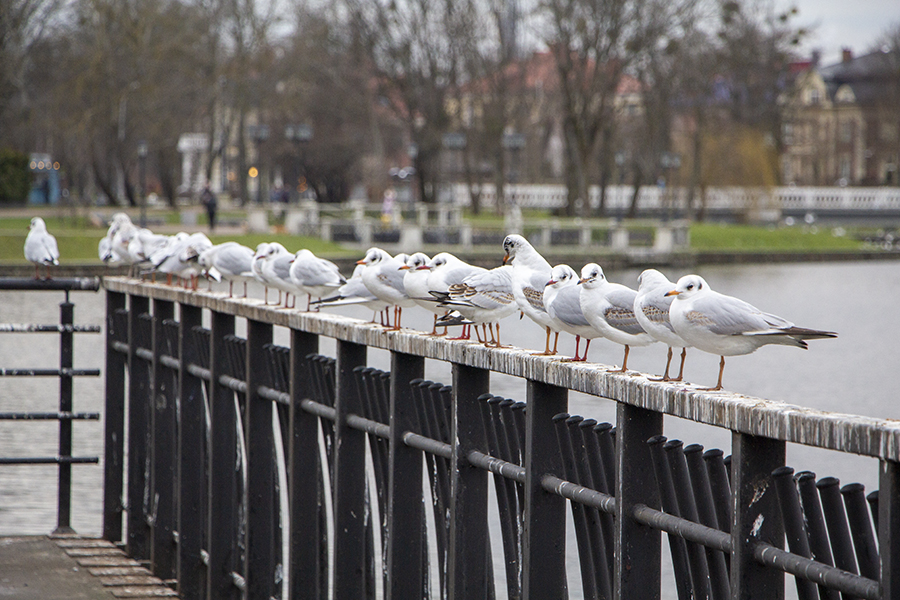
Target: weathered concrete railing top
<point>849,433</point>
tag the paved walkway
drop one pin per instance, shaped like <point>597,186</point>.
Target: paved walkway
<point>72,568</point>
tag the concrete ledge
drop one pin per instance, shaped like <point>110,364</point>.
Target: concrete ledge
<point>797,424</point>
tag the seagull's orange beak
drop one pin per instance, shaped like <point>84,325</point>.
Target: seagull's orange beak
<point>672,293</point>
<point>403,268</point>
<point>506,259</point>
<point>361,262</point>
<point>580,281</point>
<point>551,282</point>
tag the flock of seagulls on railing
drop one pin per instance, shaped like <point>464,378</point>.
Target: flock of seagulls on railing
<point>685,314</point>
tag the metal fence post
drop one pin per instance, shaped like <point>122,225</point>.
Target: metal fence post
<point>114,423</point>
<point>138,433</point>
<point>223,468</point>
<point>889,527</point>
<point>756,515</point>
<point>66,350</point>
<point>406,511</point>
<point>349,479</point>
<point>260,535</point>
<point>162,450</point>
<point>638,548</point>
<point>467,573</point>
<point>191,443</point>
<point>544,540</point>
<point>303,477</point>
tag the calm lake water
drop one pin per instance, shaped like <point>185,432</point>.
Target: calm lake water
<point>851,374</point>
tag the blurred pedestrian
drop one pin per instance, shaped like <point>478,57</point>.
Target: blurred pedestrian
<point>209,200</point>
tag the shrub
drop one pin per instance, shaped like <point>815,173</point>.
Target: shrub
<point>15,178</point>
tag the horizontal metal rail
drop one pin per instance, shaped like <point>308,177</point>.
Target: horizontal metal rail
<point>496,466</point>
<point>73,284</point>
<point>49,372</point>
<point>579,493</point>
<point>318,409</point>
<point>50,460</point>
<point>50,416</point>
<point>806,568</point>
<point>57,328</point>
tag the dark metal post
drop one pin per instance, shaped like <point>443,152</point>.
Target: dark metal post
<point>64,494</point>
<point>162,450</point>
<point>259,439</point>
<point>792,518</point>
<point>468,558</point>
<point>861,529</point>
<point>544,540</point>
<point>638,548</point>
<point>138,434</point>
<point>405,510</point>
<point>114,423</point>
<point>889,527</point>
<point>303,477</point>
<point>223,468</point>
<point>755,516</point>
<point>191,443</point>
<point>349,479</point>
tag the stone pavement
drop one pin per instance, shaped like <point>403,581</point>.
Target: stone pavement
<point>73,568</point>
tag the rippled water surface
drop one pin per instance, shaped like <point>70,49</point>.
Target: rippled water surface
<point>851,374</point>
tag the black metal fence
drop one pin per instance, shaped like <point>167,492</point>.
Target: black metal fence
<point>210,503</point>
<point>66,415</point>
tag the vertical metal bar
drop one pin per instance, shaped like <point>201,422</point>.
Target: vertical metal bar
<point>889,527</point>
<point>114,423</point>
<point>815,526</point>
<point>349,480</point>
<point>836,521</point>
<point>139,403</point>
<point>64,492</point>
<point>506,500</point>
<point>687,509</point>
<point>699,476</point>
<point>259,437</point>
<point>468,558</point>
<point>872,500</point>
<point>223,468</point>
<point>861,529</point>
<point>303,478</point>
<point>162,450</point>
<point>596,470</point>
<point>792,517</point>
<point>753,459</point>
<point>191,445</point>
<point>544,542</point>
<point>721,487</point>
<point>638,548</point>
<point>406,509</point>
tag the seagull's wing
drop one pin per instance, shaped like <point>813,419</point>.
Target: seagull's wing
<point>656,308</point>
<point>51,248</point>
<point>726,315</point>
<point>567,307</point>
<point>534,289</point>
<point>620,312</point>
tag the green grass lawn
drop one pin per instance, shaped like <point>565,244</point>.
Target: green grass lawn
<point>710,237</point>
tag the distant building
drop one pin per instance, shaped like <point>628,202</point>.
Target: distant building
<point>842,122</point>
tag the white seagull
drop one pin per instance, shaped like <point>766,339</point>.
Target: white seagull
<point>256,269</point>
<point>651,307</point>
<point>276,270</point>
<point>530,275</point>
<point>40,247</point>
<point>483,298</point>
<point>315,276</point>
<point>562,297</point>
<point>229,261</point>
<point>610,308</point>
<point>383,277</point>
<point>728,326</point>
<point>445,271</point>
<point>355,292</point>
<point>415,282</point>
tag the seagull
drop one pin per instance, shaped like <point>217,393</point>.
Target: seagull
<point>728,326</point>
<point>651,307</point>
<point>143,244</point>
<point>562,297</point>
<point>610,308</point>
<point>315,276</point>
<point>40,247</point>
<point>415,282</point>
<point>383,277</point>
<point>256,269</point>
<point>355,292</point>
<point>230,261</point>
<point>530,274</point>
<point>104,251</point>
<point>179,257</point>
<point>483,298</point>
<point>166,252</point>
<point>121,231</point>
<point>276,270</point>
<point>445,271</point>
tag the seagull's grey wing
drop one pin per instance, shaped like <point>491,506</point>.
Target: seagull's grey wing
<point>458,274</point>
<point>234,260</point>
<point>656,308</point>
<point>393,276</point>
<point>50,247</point>
<point>567,307</point>
<point>726,315</point>
<point>281,266</point>
<point>620,313</point>
<point>534,290</point>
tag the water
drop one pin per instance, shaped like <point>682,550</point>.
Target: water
<point>850,374</point>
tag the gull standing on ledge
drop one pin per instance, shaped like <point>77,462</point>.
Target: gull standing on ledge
<point>651,307</point>
<point>229,261</point>
<point>728,326</point>
<point>562,297</point>
<point>355,292</point>
<point>383,277</point>
<point>483,298</point>
<point>40,247</point>
<point>529,277</point>
<point>315,276</point>
<point>610,308</point>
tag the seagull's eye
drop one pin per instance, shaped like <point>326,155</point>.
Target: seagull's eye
<point>690,286</point>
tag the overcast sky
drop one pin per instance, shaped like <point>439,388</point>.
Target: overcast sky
<point>856,24</point>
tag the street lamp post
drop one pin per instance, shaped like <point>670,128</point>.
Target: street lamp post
<point>142,166</point>
<point>299,135</point>
<point>259,134</point>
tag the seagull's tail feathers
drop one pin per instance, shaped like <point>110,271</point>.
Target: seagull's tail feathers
<point>795,336</point>
<point>453,318</point>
